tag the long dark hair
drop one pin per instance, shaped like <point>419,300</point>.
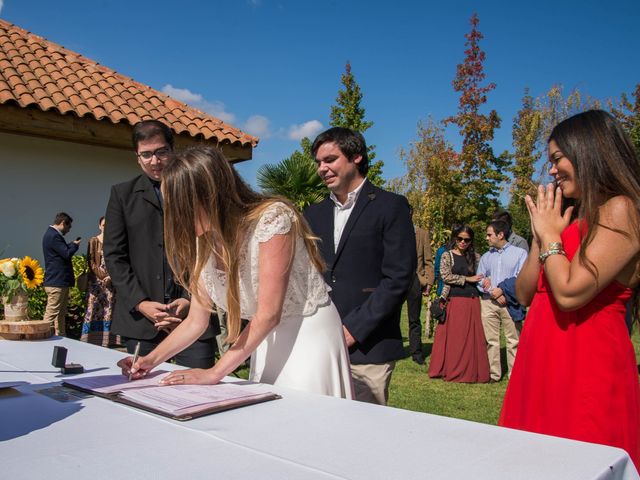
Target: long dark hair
<point>606,165</point>
<point>470,252</point>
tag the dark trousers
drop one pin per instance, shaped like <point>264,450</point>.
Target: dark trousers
<point>414,308</point>
<point>199,355</point>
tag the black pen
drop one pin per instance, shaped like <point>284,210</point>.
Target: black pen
<point>135,358</point>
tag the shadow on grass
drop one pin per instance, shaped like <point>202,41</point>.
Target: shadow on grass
<point>426,350</point>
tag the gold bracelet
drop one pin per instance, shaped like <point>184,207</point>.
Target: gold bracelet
<point>544,255</point>
<point>555,246</point>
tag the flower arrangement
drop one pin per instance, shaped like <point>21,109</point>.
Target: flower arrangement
<point>19,275</point>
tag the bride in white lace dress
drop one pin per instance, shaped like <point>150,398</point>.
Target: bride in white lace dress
<point>256,258</point>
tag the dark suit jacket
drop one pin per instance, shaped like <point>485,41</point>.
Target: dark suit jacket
<point>134,255</point>
<point>371,271</point>
<point>58,269</point>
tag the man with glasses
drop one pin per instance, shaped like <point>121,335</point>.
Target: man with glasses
<point>148,303</point>
<point>501,262</point>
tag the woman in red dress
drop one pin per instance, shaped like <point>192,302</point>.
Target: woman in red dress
<point>575,374</point>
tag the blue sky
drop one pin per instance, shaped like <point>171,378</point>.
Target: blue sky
<point>273,67</point>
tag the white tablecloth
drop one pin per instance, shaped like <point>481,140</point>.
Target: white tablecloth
<point>301,436</point>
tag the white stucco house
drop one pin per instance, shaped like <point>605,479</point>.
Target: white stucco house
<point>65,137</point>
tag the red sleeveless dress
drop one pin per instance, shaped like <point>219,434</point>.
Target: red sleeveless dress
<point>575,374</point>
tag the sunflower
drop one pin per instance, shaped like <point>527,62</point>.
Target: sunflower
<point>31,271</point>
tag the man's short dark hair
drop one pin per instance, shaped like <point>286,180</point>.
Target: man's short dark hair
<point>350,142</point>
<point>500,226</point>
<point>148,129</point>
<point>504,216</point>
<point>63,218</point>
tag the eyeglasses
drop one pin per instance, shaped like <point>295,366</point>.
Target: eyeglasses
<point>463,239</point>
<point>160,153</point>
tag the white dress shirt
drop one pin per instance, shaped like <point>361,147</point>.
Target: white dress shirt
<point>342,212</point>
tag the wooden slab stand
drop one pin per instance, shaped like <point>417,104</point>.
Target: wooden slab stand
<point>24,330</point>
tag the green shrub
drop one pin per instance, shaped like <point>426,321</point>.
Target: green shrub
<point>76,309</point>
<point>37,302</point>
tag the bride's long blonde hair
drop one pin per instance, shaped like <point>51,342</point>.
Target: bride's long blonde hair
<point>200,183</point>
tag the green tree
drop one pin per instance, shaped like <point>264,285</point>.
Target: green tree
<point>527,129</point>
<point>349,113</point>
<point>432,181</point>
<point>555,107</point>
<point>295,178</point>
<point>628,113</point>
<point>481,170</point>
<point>531,129</point>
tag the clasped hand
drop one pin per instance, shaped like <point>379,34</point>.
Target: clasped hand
<point>547,220</point>
<point>165,316</point>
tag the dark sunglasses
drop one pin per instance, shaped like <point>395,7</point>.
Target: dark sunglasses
<point>463,239</point>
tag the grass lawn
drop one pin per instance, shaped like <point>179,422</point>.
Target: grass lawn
<point>412,389</point>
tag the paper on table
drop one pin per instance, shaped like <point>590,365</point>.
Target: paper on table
<point>115,383</point>
<point>178,399</point>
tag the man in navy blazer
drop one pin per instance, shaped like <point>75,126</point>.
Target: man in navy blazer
<point>368,243</point>
<point>148,302</point>
<point>58,270</point>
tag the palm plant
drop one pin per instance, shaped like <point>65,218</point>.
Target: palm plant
<point>295,178</point>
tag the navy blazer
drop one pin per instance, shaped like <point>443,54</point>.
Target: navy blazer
<point>58,269</point>
<point>517,311</point>
<point>134,255</point>
<point>371,270</point>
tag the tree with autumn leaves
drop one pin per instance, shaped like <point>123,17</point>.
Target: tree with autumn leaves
<point>482,171</point>
<point>432,182</point>
<point>527,128</point>
<point>627,111</point>
<point>465,187</point>
<point>462,187</point>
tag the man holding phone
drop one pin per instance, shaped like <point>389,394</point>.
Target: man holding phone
<point>58,276</point>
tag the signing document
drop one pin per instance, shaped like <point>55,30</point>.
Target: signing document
<point>181,402</point>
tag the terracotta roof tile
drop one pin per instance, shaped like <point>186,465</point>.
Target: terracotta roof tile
<point>26,99</point>
<point>64,106</point>
<point>6,95</point>
<point>46,103</point>
<point>36,71</point>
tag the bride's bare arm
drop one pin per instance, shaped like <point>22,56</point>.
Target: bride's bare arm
<point>274,267</point>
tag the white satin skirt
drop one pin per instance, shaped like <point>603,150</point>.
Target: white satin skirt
<point>306,353</point>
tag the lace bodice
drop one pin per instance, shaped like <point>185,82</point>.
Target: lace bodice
<point>306,290</point>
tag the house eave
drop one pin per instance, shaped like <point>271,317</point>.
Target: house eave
<point>33,121</point>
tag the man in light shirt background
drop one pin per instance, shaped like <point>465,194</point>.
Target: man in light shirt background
<point>501,262</point>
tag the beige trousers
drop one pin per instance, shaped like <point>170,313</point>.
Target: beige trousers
<point>56,311</point>
<point>493,316</point>
<point>371,382</point>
